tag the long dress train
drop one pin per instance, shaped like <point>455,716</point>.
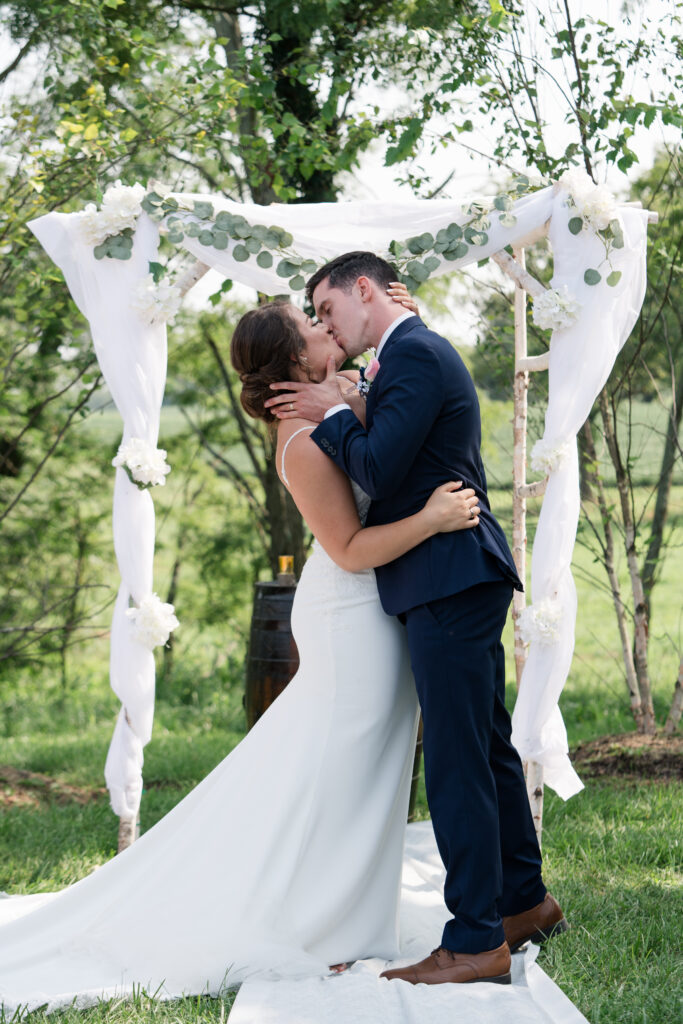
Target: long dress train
<point>285,859</point>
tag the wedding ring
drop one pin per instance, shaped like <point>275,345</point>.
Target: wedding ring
<point>291,406</point>
<point>471,513</point>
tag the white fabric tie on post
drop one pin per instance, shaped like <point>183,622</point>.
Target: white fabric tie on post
<point>133,360</point>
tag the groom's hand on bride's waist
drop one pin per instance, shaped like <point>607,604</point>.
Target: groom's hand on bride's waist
<point>310,401</point>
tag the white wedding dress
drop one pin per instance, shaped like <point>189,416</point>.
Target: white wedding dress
<point>287,858</point>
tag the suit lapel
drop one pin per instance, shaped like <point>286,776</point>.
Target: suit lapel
<point>398,332</point>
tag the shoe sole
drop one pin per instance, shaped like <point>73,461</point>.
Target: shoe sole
<point>500,979</point>
<point>539,937</point>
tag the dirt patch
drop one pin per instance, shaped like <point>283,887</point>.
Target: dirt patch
<point>22,788</point>
<point>632,756</point>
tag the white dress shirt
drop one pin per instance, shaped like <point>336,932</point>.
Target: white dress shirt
<point>392,327</point>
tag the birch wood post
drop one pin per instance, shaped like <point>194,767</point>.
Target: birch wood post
<point>520,491</point>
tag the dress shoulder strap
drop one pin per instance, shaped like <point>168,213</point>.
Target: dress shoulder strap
<point>286,446</point>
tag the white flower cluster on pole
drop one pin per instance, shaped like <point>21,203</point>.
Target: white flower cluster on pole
<point>595,204</point>
<point>555,309</point>
<point>153,621</point>
<point>156,303</point>
<point>146,465</point>
<point>540,622</point>
<point>546,457</point>
<point>121,207</point>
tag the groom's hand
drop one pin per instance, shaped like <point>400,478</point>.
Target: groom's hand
<point>306,401</point>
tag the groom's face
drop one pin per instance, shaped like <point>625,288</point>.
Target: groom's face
<point>345,313</point>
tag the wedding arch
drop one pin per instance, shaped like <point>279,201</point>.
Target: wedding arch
<point>109,258</point>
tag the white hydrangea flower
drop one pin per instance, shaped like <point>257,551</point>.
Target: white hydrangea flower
<point>555,308</point>
<point>121,207</point>
<point>147,465</point>
<point>546,457</point>
<point>156,303</point>
<point>595,204</point>
<point>540,622</point>
<point>152,621</point>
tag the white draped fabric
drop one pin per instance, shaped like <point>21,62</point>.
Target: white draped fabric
<point>132,357</point>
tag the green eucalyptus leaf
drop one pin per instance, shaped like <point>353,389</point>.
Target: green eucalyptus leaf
<point>502,202</point>
<point>240,253</point>
<point>414,245</point>
<point>417,270</point>
<point>220,239</point>
<point>309,267</point>
<point>432,264</point>
<point>154,197</point>
<point>592,276</point>
<point>575,225</point>
<point>206,237</point>
<point>203,210</point>
<point>156,270</point>
<point>193,229</point>
<point>265,259</point>
<point>618,240</point>
<point>297,283</point>
<point>458,251</point>
<point>508,220</point>
<point>100,251</point>
<point>284,238</point>
<point>253,245</point>
<point>286,269</point>
<point>442,236</point>
<point>614,278</point>
<point>271,240</point>
<point>170,203</point>
<point>240,228</point>
<point>441,246</point>
<point>454,232</point>
<point>175,236</point>
<point>224,221</point>
<point>260,232</point>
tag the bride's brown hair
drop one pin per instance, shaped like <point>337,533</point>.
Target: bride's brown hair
<point>265,346</point>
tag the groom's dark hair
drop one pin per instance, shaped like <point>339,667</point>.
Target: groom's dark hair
<point>344,271</point>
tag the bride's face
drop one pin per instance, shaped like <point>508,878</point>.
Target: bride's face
<point>319,345</point>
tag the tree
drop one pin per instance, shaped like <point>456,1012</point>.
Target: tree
<point>611,83</point>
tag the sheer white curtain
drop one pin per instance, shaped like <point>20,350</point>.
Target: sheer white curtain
<point>133,359</point>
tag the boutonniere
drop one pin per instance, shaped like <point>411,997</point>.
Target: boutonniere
<point>367,376</point>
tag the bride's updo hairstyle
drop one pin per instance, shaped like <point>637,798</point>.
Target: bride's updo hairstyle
<point>265,346</point>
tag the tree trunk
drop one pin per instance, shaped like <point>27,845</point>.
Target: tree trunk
<point>661,511</point>
<point>597,487</point>
<point>647,722</point>
<point>674,716</point>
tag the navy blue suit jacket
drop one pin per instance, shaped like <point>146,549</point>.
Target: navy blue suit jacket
<point>423,428</point>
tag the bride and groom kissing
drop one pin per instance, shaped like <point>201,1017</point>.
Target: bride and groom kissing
<point>451,592</point>
<point>287,857</point>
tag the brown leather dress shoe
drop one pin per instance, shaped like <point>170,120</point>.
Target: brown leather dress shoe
<point>443,966</point>
<point>536,925</point>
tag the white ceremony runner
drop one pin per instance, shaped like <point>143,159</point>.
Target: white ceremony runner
<point>359,996</point>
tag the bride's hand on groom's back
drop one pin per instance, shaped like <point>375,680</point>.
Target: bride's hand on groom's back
<point>452,507</point>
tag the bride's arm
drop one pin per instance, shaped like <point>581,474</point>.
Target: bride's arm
<point>322,494</point>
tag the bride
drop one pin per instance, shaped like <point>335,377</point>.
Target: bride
<point>287,857</point>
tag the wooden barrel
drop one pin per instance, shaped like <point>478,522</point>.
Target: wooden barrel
<point>272,659</point>
<point>416,773</point>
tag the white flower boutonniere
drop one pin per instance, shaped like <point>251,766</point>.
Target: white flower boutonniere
<point>367,376</point>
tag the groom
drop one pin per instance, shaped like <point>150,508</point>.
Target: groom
<point>452,592</point>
